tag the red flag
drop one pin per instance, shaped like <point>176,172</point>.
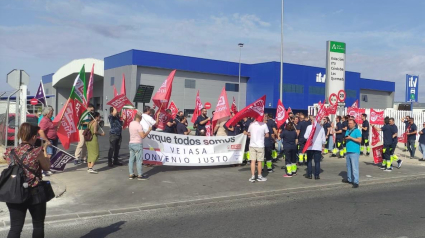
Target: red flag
<point>208,129</point>
<point>79,108</point>
<point>281,114</point>
<point>162,96</point>
<point>375,136</point>
<point>222,107</point>
<point>376,118</point>
<point>234,108</point>
<point>164,117</point>
<point>255,110</point>
<point>68,131</point>
<point>377,154</point>
<point>198,107</point>
<point>58,117</point>
<point>174,109</point>
<point>129,114</point>
<point>289,110</point>
<point>331,109</point>
<point>115,91</point>
<point>90,87</point>
<point>355,104</point>
<point>119,102</point>
<point>402,138</point>
<point>356,113</point>
<point>319,117</point>
<point>123,90</point>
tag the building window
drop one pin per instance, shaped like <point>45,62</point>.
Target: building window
<point>112,81</point>
<point>47,91</point>
<point>316,90</point>
<point>351,93</point>
<point>190,83</point>
<point>293,88</point>
<point>232,87</point>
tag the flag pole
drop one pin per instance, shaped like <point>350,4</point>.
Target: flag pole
<point>95,119</point>
<point>63,151</point>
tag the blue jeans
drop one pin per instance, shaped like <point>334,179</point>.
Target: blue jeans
<point>353,167</point>
<point>411,147</point>
<point>316,156</point>
<point>50,149</point>
<point>422,149</point>
<point>136,151</point>
<point>279,146</point>
<point>331,143</point>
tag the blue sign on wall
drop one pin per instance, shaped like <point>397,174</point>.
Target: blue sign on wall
<point>412,86</point>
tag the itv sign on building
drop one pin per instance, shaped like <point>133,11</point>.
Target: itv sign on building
<point>412,86</point>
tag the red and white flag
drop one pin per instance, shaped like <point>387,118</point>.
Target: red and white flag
<point>123,90</point>
<point>129,116</point>
<point>281,114</point>
<point>119,102</point>
<point>198,107</point>
<point>208,129</point>
<point>355,104</point>
<point>90,87</point>
<point>402,138</point>
<point>222,108</point>
<point>356,113</point>
<point>319,117</point>
<point>289,110</point>
<point>377,154</point>
<point>164,117</point>
<point>376,118</point>
<point>234,108</point>
<point>174,109</point>
<point>331,109</point>
<point>115,91</point>
<point>255,110</point>
<point>68,131</point>
<point>162,96</point>
<point>375,136</point>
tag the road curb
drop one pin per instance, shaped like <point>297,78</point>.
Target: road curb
<point>95,214</point>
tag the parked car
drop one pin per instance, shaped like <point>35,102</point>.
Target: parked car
<point>32,119</point>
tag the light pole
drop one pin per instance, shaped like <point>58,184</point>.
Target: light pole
<point>239,85</point>
<point>281,57</point>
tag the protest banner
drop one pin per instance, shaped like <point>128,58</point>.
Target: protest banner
<point>119,102</point>
<point>60,159</point>
<point>377,154</point>
<point>376,118</point>
<point>375,136</point>
<point>184,150</point>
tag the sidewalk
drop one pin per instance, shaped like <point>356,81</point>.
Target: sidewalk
<point>98,194</point>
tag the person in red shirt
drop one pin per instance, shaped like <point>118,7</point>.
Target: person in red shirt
<point>48,131</point>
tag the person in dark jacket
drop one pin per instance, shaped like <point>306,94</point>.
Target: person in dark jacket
<point>289,143</point>
<point>115,136</point>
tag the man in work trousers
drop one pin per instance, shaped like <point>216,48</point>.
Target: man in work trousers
<point>115,136</point>
<point>81,150</point>
<point>339,137</point>
<point>389,134</point>
<point>353,137</point>
<point>365,135</point>
<point>406,121</point>
<point>314,151</point>
<point>257,132</point>
<point>411,132</point>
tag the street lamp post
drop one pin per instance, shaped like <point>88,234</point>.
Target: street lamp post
<point>239,85</point>
<point>281,56</point>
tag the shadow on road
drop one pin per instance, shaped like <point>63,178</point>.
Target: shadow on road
<point>104,231</point>
<point>343,174</point>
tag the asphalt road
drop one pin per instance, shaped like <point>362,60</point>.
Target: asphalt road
<point>384,210</point>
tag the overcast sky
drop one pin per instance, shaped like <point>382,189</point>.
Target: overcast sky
<point>385,38</point>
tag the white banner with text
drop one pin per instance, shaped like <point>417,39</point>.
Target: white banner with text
<point>181,150</point>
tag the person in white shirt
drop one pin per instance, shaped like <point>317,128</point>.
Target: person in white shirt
<point>257,131</point>
<point>147,121</point>
<point>314,151</point>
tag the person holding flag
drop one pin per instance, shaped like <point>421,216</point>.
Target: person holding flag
<point>201,122</point>
<point>93,144</point>
<point>301,129</point>
<point>314,151</point>
<point>81,150</point>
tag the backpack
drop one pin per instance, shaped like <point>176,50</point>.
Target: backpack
<point>88,136</point>
<point>13,181</point>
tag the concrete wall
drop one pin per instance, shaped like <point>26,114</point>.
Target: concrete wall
<point>376,99</point>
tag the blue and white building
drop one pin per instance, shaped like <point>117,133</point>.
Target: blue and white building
<point>303,85</point>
